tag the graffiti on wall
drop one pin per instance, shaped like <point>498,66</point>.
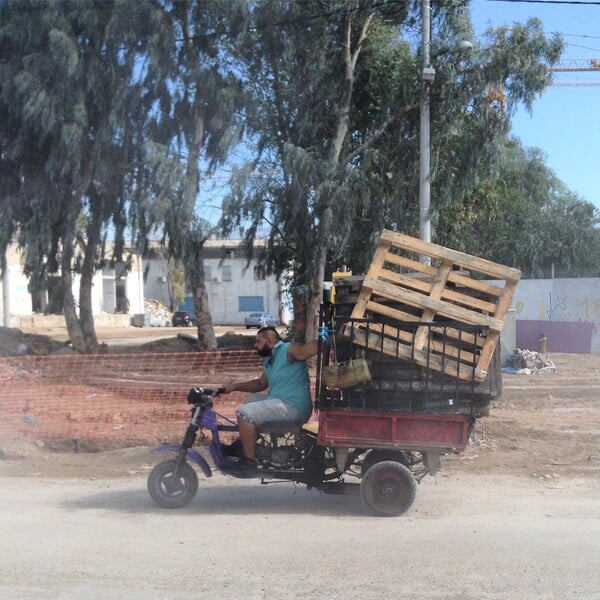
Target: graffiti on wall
<point>560,300</point>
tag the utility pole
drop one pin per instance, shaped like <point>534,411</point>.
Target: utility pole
<point>427,77</point>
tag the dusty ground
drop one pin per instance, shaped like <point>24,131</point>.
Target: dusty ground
<point>515,516</point>
<point>543,424</point>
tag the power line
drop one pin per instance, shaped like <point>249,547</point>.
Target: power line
<point>582,35</point>
<point>582,47</point>
<point>571,2</point>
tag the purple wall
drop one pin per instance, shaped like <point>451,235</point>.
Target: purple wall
<point>562,336</point>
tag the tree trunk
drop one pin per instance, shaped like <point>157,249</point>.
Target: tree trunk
<point>206,333</point>
<point>315,297</point>
<point>70,311</point>
<point>80,327</point>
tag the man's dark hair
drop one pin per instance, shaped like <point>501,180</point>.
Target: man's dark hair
<point>270,331</point>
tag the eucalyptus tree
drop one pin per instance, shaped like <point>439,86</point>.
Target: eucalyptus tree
<point>72,111</point>
<point>473,97</point>
<point>336,92</point>
<point>526,217</point>
<point>196,122</point>
<point>301,62</point>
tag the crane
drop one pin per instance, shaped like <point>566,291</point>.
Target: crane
<point>577,65</point>
<point>495,92</point>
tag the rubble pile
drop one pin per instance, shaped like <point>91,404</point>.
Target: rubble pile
<point>13,342</point>
<point>529,362</point>
<point>156,313</point>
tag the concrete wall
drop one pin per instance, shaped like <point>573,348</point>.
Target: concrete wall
<point>228,277</point>
<point>43,322</point>
<point>15,297</point>
<point>157,284</point>
<point>560,301</point>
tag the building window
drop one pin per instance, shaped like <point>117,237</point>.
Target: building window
<point>226,273</point>
<point>207,272</point>
<point>251,303</point>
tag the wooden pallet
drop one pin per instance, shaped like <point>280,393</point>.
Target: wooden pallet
<point>401,288</point>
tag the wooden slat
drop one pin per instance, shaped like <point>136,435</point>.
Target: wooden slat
<point>388,311</point>
<point>406,281</point>
<point>400,288</point>
<point>439,307</point>
<point>469,301</point>
<point>476,285</point>
<point>458,335</point>
<point>412,265</point>
<point>403,337</point>
<point>426,287</point>
<point>494,338</point>
<point>486,267</point>
<point>424,359</point>
<point>429,312</point>
<point>447,347</point>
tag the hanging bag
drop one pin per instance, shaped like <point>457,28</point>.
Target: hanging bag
<point>347,373</point>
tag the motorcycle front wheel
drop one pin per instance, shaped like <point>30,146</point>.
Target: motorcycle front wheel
<point>169,491</point>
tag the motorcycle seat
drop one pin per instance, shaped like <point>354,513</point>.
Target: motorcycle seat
<point>280,427</point>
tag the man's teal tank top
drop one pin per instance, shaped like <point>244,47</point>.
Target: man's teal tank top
<point>289,381</point>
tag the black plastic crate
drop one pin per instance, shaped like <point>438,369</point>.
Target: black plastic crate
<point>401,385</point>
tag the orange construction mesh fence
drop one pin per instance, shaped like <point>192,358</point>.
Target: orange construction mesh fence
<point>113,400</point>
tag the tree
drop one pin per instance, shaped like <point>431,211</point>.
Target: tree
<point>525,217</point>
<point>301,64</point>
<point>475,96</point>
<point>336,126</point>
<point>73,108</point>
<point>196,123</point>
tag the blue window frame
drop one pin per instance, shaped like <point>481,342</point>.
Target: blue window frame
<point>251,303</point>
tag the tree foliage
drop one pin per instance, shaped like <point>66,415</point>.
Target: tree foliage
<point>110,109</point>
<point>302,61</point>
<point>336,125</point>
<point>71,105</point>
<point>113,113</point>
<point>195,123</point>
<point>525,217</point>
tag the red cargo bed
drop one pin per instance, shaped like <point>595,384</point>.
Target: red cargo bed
<point>410,431</point>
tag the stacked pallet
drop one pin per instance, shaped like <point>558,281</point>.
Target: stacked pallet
<point>410,282</point>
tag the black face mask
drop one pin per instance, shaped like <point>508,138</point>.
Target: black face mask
<point>265,351</point>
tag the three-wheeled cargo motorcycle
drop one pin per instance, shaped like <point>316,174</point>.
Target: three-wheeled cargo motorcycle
<point>376,435</point>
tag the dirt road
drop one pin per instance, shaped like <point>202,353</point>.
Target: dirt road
<point>516,516</point>
<point>468,537</point>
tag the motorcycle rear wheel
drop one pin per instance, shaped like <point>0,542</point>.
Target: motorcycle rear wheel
<point>170,493</point>
<point>388,488</point>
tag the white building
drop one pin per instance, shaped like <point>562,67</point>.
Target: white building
<point>117,293</point>
<point>233,288</point>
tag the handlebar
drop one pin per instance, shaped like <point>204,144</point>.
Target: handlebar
<point>198,395</point>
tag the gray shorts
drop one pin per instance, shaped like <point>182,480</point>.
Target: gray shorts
<point>264,411</point>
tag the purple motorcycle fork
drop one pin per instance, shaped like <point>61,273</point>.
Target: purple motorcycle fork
<point>208,421</point>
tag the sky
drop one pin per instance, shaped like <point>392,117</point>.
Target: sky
<point>565,121</point>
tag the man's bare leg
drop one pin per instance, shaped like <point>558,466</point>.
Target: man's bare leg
<point>248,434</point>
